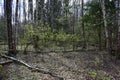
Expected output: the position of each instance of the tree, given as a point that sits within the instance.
(24, 10)
(105, 22)
(30, 10)
(39, 12)
(83, 28)
(11, 44)
(108, 33)
(51, 12)
(93, 19)
(117, 39)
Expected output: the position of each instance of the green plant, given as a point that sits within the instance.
(92, 73)
(48, 39)
(97, 61)
(0, 66)
(102, 76)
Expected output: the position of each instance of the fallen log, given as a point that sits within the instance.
(33, 68)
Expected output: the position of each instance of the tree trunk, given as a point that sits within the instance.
(52, 14)
(99, 35)
(30, 7)
(11, 44)
(5, 8)
(105, 23)
(16, 24)
(24, 11)
(118, 30)
(83, 27)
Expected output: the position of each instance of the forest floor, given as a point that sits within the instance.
(80, 65)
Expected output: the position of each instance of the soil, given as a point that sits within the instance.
(80, 65)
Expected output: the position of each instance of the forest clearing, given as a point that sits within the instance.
(59, 40)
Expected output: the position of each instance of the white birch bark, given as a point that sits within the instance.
(105, 22)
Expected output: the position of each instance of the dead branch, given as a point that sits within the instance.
(6, 62)
(33, 68)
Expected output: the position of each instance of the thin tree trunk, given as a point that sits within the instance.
(100, 32)
(105, 22)
(30, 7)
(16, 23)
(83, 27)
(117, 54)
(5, 8)
(99, 35)
(5, 37)
(52, 14)
(24, 11)
(107, 29)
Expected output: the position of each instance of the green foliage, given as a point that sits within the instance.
(28, 34)
(57, 38)
(92, 73)
(0, 66)
(64, 23)
(102, 76)
(93, 20)
(98, 75)
(49, 39)
(97, 61)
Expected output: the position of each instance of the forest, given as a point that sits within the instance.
(59, 39)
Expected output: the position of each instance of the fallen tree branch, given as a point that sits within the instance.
(33, 68)
(6, 62)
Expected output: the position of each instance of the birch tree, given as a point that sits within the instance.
(105, 22)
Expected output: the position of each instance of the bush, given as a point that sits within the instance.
(50, 39)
